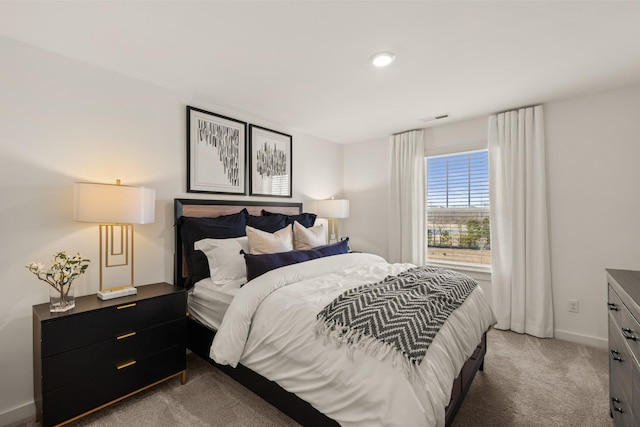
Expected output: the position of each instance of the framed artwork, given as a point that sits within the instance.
(270, 162)
(216, 153)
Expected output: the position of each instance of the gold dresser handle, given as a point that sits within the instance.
(124, 365)
(130, 334)
(120, 307)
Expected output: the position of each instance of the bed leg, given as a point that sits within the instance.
(481, 368)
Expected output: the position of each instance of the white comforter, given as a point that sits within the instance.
(270, 328)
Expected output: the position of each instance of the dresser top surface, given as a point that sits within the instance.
(92, 302)
(628, 280)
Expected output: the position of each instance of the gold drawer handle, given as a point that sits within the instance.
(124, 365)
(120, 307)
(130, 334)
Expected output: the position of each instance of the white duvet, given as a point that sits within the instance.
(270, 328)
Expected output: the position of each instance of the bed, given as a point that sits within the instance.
(255, 376)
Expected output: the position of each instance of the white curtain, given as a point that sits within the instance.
(520, 262)
(406, 204)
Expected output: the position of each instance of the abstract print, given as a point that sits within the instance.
(270, 161)
(227, 141)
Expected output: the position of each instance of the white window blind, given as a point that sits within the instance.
(458, 208)
(458, 181)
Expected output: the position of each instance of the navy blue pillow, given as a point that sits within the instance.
(270, 224)
(198, 269)
(306, 219)
(193, 229)
(257, 265)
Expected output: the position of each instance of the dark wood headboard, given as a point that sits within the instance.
(215, 208)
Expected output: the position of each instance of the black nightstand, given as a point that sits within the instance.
(101, 352)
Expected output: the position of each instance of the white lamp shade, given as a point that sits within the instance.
(113, 204)
(333, 208)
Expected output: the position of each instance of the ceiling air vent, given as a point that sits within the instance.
(432, 118)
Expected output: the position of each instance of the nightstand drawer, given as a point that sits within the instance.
(86, 328)
(67, 368)
(80, 397)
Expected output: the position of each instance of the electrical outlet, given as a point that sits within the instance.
(574, 306)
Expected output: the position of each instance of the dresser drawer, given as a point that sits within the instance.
(620, 409)
(103, 324)
(83, 396)
(67, 368)
(615, 306)
(629, 331)
(621, 365)
(620, 403)
(635, 407)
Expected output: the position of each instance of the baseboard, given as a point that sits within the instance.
(581, 339)
(18, 413)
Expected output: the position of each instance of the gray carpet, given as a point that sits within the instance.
(531, 382)
(527, 382)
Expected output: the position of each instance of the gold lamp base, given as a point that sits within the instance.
(116, 261)
(117, 293)
(333, 230)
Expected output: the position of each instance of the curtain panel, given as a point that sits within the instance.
(521, 267)
(407, 198)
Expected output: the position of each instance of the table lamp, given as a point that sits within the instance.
(333, 209)
(116, 208)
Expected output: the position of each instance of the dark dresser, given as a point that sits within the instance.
(101, 352)
(624, 346)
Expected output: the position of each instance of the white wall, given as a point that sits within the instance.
(593, 151)
(366, 186)
(456, 137)
(63, 121)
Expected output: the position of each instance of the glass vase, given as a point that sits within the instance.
(62, 299)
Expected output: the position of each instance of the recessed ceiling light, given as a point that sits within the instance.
(382, 59)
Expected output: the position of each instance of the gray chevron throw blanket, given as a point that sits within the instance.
(400, 314)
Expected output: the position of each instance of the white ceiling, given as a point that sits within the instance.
(305, 64)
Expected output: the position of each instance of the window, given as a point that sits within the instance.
(458, 208)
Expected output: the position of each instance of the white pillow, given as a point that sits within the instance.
(261, 242)
(308, 238)
(226, 263)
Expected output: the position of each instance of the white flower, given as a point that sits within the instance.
(63, 271)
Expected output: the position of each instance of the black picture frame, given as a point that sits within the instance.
(216, 153)
(271, 162)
